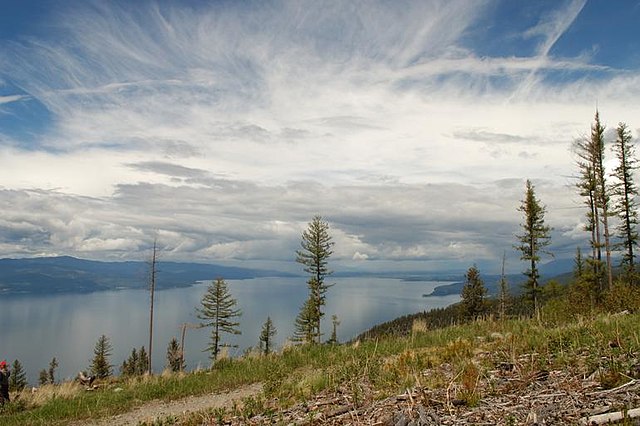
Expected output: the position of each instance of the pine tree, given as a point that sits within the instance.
(52, 370)
(266, 336)
(316, 249)
(43, 377)
(533, 240)
(125, 370)
(175, 362)
(473, 294)
(305, 324)
(18, 377)
(334, 330)
(578, 265)
(587, 162)
(129, 366)
(142, 366)
(552, 290)
(218, 311)
(100, 366)
(584, 286)
(626, 205)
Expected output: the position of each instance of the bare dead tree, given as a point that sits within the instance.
(152, 287)
(184, 327)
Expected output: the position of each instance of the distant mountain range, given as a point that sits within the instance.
(65, 274)
(54, 275)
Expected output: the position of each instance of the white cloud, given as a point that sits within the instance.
(224, 128)
(12, 98)
(360, 256)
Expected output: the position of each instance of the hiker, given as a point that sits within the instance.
(4, 382)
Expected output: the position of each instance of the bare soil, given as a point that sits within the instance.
(153, 410)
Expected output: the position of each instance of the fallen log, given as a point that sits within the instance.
(606, 418)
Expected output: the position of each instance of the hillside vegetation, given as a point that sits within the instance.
(504, 371)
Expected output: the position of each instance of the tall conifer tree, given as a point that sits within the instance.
(532, 242)
(175, 360)
(218, 311)
(267, 334)
(100, 366)
(314, 256)
(43, 377)
(130, 365)
(52, 370)
(473, 294)
(625, 192)
(18, 377)
(587, 187)
(142, 366)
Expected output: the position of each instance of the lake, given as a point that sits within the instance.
(37, 328)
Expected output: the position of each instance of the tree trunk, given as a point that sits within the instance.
(152, 287)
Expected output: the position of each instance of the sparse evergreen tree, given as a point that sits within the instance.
(52, 370)
(129, 366)
(142, 366)
(304, 327)
(473, 294)
(314, 256)
(218, 311)
(100, 366)
(626, 206)
(593, 185)
(125, 370)
(533, 240)
(267, 334)
(578, 264)
(587, 151)
(175, 362)
(18, 377)
(552, 290)
(43, 377)
(585, 283)
(334, 330)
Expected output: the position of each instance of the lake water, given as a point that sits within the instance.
(36, 328)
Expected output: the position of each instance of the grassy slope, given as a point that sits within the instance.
(387, 365)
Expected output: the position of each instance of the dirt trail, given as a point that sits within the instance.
(159, 409)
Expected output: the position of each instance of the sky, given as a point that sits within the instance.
(220, 128)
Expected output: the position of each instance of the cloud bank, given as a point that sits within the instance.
(223, 128)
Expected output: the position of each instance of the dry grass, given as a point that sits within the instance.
(34, 397)
(419, 326)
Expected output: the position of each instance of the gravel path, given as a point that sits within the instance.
(160, 409)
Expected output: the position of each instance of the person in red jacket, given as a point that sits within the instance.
(4, 382)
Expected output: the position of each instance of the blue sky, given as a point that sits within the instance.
(221, 128)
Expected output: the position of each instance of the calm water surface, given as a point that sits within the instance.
(35, 328)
